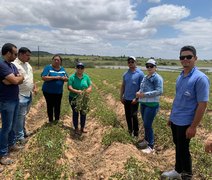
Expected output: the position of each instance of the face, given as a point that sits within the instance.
(131, 63)
(80, 69)
(12, 55)
(56, 61)
(25, 57)
(150, 68)
(187, 59)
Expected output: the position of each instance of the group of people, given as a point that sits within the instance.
(17, 87)
(189, 105)
(54, 76)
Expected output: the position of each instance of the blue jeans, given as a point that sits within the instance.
(76, 116)
(9, 116)
(24, 106)
(148, 114)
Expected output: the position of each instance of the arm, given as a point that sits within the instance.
(35, 88)
(12, 79)
(122, 92)
(191, 131)
(70, 88)
(89, 89)
(50, 78)
(208, 144)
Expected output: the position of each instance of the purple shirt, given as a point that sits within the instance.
(8, 92)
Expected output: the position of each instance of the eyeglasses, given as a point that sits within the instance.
(149, 66)
(131, 62)
(189, 57)
(80, 67)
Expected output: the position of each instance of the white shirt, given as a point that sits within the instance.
(25, 69)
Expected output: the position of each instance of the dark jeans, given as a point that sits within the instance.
(53, 102)
(148, 114)
(75, 115)
(9, 117)
(183, 162)
(131, 111)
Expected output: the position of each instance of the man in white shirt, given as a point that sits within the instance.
(25, 91)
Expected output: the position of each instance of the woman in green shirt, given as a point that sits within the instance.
(79, 84)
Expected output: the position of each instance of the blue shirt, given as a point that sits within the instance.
(132, 81)
(190, 90)
(53, 86)
(8, 92)
(152, 87)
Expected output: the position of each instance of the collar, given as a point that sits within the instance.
(190, 73)
(19, 61)
(154, 74)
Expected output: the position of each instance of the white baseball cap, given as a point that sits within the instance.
(151, 61)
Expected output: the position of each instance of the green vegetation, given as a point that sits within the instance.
(42, 161)
(91, 61)
(136, 170)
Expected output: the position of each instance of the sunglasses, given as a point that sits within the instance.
(131, 62)
(189, 57)
(149, 66)
(80, 67)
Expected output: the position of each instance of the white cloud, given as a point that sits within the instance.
(165, 14)
(154, 1)
(100, 27)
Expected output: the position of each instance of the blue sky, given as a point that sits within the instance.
(146, 28)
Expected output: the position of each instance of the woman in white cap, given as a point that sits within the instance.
(150, 90)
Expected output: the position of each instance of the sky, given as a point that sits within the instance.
(142, 28)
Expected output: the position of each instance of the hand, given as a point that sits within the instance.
(190, 132)
(35, 90)
(139, 95)
(79, 91)
(208, 145)
(122, 100)
(134, 101)
(169, 123)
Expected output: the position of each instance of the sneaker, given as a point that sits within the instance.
(186, 176)
(15, 148)
(77, 131)
(148, 150)
(143, 144)
(83, 130)
(171, 175)
(5, 160)
(1, 169)
(27, 134)
(22, 141)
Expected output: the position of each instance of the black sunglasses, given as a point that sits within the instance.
(131, 62)
(80, 67)
(189, 57)
(149, 66)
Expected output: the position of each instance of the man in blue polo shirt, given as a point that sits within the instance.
(130, 85)
(192, 95)
(9, 101)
